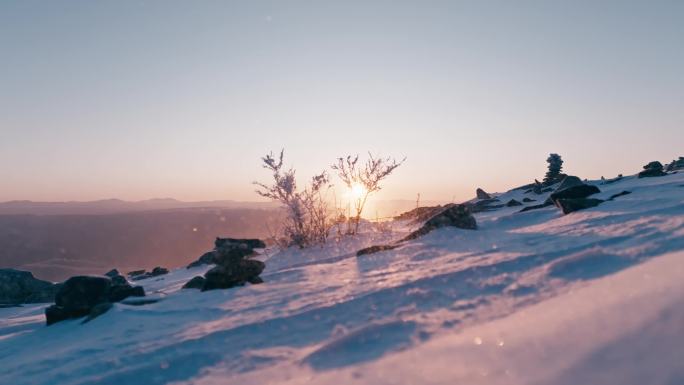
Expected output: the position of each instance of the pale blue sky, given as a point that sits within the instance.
(134, 100)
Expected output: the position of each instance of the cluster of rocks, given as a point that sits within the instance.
(18, 287)
(233, 267)
(652, 169)
(571, 195)
(137, 275)
(90, 296)
(677, 164)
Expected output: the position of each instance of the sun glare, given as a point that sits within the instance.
(357, 191)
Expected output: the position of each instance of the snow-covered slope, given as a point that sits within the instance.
(529, 298)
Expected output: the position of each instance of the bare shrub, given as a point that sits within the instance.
(364, 179)
(307, 215)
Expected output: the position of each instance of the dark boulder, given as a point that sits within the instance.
(195, 283)
(112, 273)
(528, 200)
(159, 271)
(513, 203)
(228, 256)
(569, 181)
(136, 273)
(652, 169)
(97, 311)
(481, 194)
(83, 295)
(574, 192)
(17, 287)
(457, 215)
(575, 204)
(225, 277)
(120, 292)
(119, 280)
(205, 259)
(54, 313)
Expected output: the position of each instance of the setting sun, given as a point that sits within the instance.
(357, 191)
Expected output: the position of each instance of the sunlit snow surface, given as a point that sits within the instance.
(594, 297)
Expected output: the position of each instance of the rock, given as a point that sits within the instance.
(97, 311)
(457, 215)
(17, 287)
(79, 294)
(528, 200)
(574, 192)
(228, 256)
(231, 242)
(228, 248)
(375, 249)
(83, 295)
(195, 283)
(120, 292)
(119, 280)
(537, 189)
(483, 205)
(536, 207)
(569, 181)
(205, 259)
(481, 194)
(619, 195)
(575, 204)
(225, 277)
(54, 314)
(545, 190)
(112, 273)
(136, 273)
(652, 169)
(255, 280)
(157, 271)
(513, 203)
(676, 164)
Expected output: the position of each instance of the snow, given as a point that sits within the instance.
(529, 298)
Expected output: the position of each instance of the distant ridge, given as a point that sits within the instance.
(112, 206)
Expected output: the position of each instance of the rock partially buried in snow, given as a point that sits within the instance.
(513, 203)
(17, 287)
(571, 205)
(225, 277)
(195, 283)
(457, 215)
(112, 273)
(79, 295)
(482, 194)
(157, 271)
(574, 192)
(569, 181)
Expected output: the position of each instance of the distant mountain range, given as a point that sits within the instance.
(113, 206)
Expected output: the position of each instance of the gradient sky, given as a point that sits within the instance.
(142, 99)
